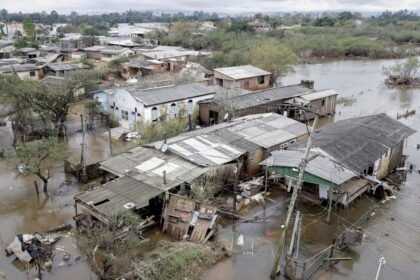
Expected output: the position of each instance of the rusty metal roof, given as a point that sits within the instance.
(119, 195)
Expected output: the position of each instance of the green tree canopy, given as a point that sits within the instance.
(273, 57)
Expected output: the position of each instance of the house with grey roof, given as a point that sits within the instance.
(110, 53)
(371, 145)
(249, 139)
(24, 71)
(246, 77)
(61, 69)
(144, 175)
(131, 105)
(287, 100)
(347, 158)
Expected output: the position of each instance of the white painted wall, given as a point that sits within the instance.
(125, 101)
(27, 76)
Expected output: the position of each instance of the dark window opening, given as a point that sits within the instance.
(323, 102)
(32, 73)
(154, 114)
(260, 80)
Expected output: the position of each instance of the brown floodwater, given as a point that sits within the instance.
(394, 230)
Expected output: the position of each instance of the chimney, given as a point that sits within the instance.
(307, 83)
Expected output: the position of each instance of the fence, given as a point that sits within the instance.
(303, 270)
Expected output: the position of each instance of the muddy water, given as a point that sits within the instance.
(393, 231)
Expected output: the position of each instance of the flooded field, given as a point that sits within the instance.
(394, 230)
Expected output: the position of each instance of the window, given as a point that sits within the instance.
(154, 114)
(323, 102)
(32, 73)
(124, 115)
(246, 85)
(173, 111)
(190, 107)
(260, 80)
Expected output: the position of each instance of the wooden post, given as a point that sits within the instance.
(109, 135)
(331, 253)
(235, 186)
(330, 197)
(36, 187)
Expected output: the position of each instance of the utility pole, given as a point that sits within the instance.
(381, 263)
(295, 228)
(296, 189)
(298, 237)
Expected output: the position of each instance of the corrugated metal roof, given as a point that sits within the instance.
(263, 97)
(94, 48)
(269, 131)
(226, 142)
(147, 165)
(206, 150)
(359, 142)
(319, 94)
(114, 51)
(166, 52)
(161, 95)
(67, 66)
(318, 165)
(111, 197)
(19, 68)
(242, 72)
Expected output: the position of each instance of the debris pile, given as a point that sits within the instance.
(37, 246)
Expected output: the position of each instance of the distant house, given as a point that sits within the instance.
(24, 71)
(136, 68)
(207, 25)
(29, 53)
(130, 105)
(7, 52)
(259, 25)
(50, 58)
(110, 53)
(173, 57)
(244, 77)
(61, 69)
(94, 52)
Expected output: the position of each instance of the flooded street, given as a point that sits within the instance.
(394, 230)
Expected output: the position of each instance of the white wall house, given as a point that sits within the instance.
(131, 106)
(108, 54)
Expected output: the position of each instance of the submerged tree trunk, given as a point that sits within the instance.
(45, 185)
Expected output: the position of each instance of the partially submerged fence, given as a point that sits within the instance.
(304, 269)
